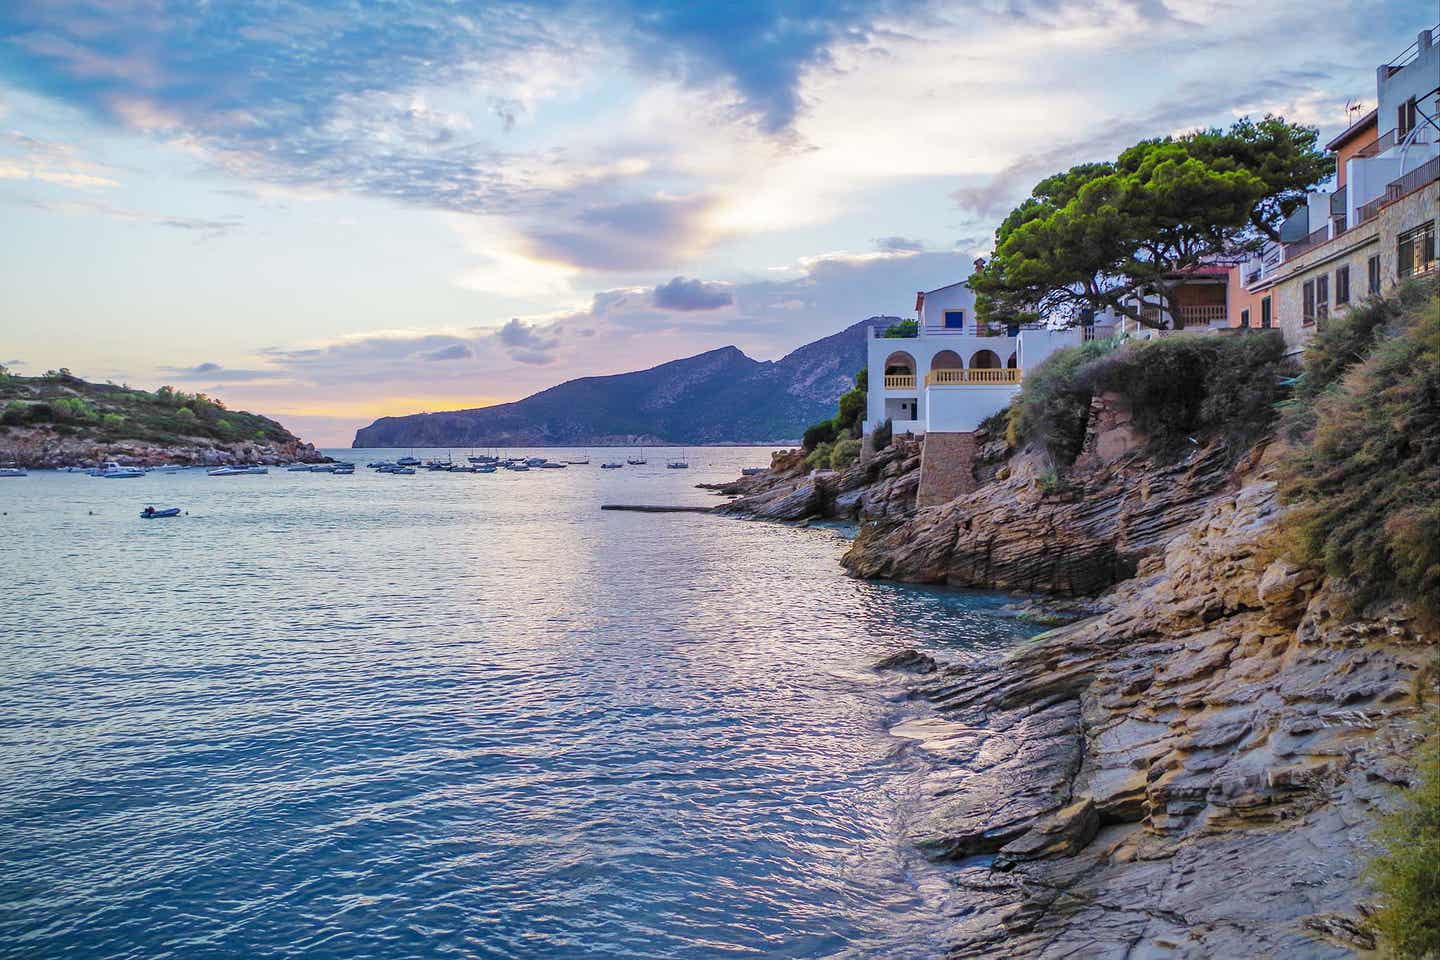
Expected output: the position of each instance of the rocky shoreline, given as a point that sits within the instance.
(1193, 769)
(35, 449)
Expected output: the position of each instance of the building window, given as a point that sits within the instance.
(1322, 297)
(1342, 286)
(1307, 310)
(954, 319)
(1404, 118)
(1245, 319)
(1415, 251)
(1372, 269)
(1265, 315)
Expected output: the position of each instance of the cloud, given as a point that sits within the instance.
(682, 294)
(456, 351)
(528, 342)
(898, 245)
(210, 371)
(201, 225)
(24, 157)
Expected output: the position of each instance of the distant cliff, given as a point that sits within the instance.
(721, 396)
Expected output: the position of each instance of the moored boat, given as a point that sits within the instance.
(12, 472)
(611, 465)
(236, 471)
(150, 513)
(113, 471)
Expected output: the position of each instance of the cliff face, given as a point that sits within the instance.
(1190, 774)
(1018, 534)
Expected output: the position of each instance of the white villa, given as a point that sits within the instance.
(955, 372)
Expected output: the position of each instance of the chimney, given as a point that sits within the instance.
(979, 264)
(1423, 40)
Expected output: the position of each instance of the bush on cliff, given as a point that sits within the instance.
(1177, 390)
(1406, 874)
(1054, 402)
(847, 422)
(1366, 485)
(844, 453)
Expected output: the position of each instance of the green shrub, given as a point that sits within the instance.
(1177, 389)
(817, 434)
(1054, 402)
(852, 410)
(844, 453)
(820, 456)
(1366, 486)
(882, 435)
(72, 408)
(185, 413)
(905, 328)
(16, 413)
(112, 419)
(1406, 874)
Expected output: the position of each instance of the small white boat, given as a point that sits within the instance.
(343, 469)
(236, 471)
(578, 463)
(611, 465)
(550, 465)
(166, 468)
(113, 471)
(484, 468)
(408, 462)
(298, 468)
(402, 472)
(12, 472)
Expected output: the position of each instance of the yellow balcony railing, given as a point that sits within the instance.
(899, 381)
(952, 378)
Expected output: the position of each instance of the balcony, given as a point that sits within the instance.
(899, 381)
(982, 376)
(1202, 315)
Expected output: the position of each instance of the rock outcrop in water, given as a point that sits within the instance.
(1190, 774)
(1018, 534)
(883, 486)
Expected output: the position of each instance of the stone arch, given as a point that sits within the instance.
(985, 360)
(947, 360)
(1012, 363)
(899, 363)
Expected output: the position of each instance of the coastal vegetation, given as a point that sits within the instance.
(1179, 392)
(835, 442)
(1362, 469)
(1101, 235)
(1405, 873)
(64, 405)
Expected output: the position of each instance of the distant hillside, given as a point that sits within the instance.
(59, 419)
(721, 396)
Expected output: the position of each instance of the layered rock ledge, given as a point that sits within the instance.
(1191, 773)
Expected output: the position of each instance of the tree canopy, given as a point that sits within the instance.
(1103, 234)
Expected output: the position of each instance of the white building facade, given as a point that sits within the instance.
(954, 373)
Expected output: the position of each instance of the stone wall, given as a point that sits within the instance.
(947, 468)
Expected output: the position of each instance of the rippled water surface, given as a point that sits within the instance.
(453, 715)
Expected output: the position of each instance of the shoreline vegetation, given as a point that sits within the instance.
(57, 419)
(1260, 539)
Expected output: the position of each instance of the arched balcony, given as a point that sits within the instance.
(899, 371)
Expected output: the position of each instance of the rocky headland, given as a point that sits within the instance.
(60, 420)
(1192, 770)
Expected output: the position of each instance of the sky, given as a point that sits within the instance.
(329, 212)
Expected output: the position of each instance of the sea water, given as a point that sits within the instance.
(454, 715)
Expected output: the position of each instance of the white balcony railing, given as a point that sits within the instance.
(956, 378)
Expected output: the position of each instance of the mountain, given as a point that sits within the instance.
(721, 396)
